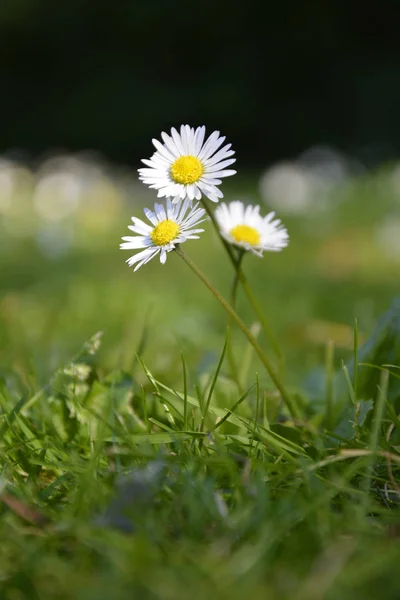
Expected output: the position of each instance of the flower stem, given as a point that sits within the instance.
(247, 289)
(229, 350)
(238, 264)
(291, 405)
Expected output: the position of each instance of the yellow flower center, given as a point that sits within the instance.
(164, 232)
(186, 169)
(246, 234)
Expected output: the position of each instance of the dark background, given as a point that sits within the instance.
(275, 77)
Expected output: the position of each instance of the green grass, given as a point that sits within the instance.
(131, 464)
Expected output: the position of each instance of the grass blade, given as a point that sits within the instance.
(214, 381)
(234, 407)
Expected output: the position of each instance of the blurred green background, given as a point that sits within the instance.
(64, 277)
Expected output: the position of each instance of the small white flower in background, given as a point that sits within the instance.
(315, 179)
(289, 187)
(7, 185)
(57, 195)
(387, 236)
(243, 226)
(170, 225)
(187, 167)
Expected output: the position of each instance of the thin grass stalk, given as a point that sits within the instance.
(213, 383)
(329, 372)
(374, 437)
(185, 403)
(355, 359)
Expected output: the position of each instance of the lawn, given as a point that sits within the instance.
(136, 462)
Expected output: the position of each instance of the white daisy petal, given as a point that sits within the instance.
(170, 209)
(170, 144)
(192, 231)
(199, 139)
(162, 150)
(190, 140)
(219, 174)
(181, 210)
(150, 173)
(190, 192)
(244, 227)
(160, 212)
(163, 256)
(148, 162)
(133, 243)
(211, 180)
(150, 215)
(155, 181)
(211, 191)
(220, 166)
(178, 142)
(211, 145)
(184, 139)
(139, 226)
(146, 259)
(170, 190)
(221, 155)
(140, 255)
(186, 166)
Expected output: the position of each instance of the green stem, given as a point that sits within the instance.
(247, 289)
(291, 405)
(238, 263)
(230, 355)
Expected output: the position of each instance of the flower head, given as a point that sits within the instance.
(170, 225)
(187, 167)
(244, 227)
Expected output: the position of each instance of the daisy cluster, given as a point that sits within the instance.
(186, 167)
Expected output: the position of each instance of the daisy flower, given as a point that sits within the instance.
(244, 227)
(170, 225)
(186, 166)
